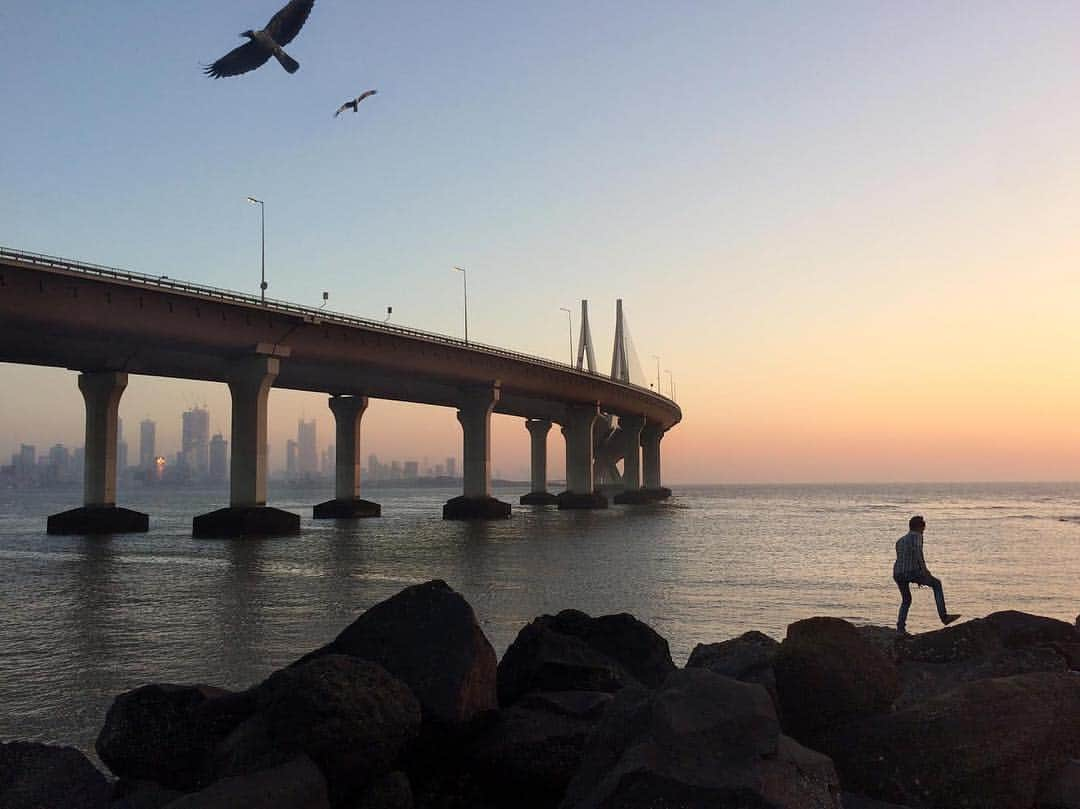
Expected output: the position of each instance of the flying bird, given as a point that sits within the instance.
(269, 41)
(355, 103)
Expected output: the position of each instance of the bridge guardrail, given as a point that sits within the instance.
(163, 281)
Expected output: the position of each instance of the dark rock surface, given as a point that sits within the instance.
(428, 637)
(391, 791)
(748, 657)
(700, 740)
(989, 744)
(982, 637)
(827, 672)
(44, 776)
(142, 795)
(853, 801)
(296, 784)
(349, 716)
(572, 651)
(164, 733)
(1062, 789)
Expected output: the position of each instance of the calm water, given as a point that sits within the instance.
(82, 619)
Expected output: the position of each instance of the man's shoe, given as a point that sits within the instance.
(948, 619)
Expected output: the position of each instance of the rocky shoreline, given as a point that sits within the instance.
(408, 708)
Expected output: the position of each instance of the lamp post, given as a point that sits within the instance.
(465, 287)
(570, 322)
(262, 224)
(657, 358)
(671, 383)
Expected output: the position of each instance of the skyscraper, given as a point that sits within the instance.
(307, 461)
(195, 441)
(450, 467)
(219, 458)
(290, 458)
(147, 435)
(121, 448)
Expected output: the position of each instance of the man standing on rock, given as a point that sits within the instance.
(910, 568)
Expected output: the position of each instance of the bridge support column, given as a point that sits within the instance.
(99, 514)
(248, 514)
(476, 502)
(538, 494)
(631, 428)
(347, 503)
(578, 431)
(650, 456)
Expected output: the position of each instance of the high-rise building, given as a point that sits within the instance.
(195, 441)
(410, 470)
(307, 461)
(26, 460)
(219, 458)
(451, 463)
(373, 466)
(147, 452)
(329, 462)
(291, 455)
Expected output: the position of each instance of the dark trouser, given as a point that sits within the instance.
(905, 595)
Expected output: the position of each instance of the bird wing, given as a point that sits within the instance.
(286, 24)
(365, 94)
(341, 109)
(239, 60)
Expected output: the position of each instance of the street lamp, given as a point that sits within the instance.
(657, 358)
(465, 287)
(671, 383)
(262, 222)
(570, 322)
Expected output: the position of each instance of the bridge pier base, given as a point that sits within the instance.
(578, 430)
(248, 514)
(633, 494)
(347, 503)
(650, 455)
(538, 494)
(476, 502)
(99, 514)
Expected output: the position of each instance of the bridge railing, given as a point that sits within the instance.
(311, 312)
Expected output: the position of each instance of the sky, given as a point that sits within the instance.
(849, 230)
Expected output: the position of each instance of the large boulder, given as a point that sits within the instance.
(164, 733)
(748, 657)
(572, 651)
(351, 717)
(701, 740)
(984, 745)
(428, 637)
(983, 637)
(45, 776)
(1062, 789)
(827, 672)
(296, 784)
(391, 791)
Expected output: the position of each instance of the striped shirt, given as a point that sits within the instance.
(909, 556)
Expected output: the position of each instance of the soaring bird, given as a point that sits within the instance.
(280, 31)
(355, 102)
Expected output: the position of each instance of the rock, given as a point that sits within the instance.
(984, 745)
(164, 733)
(572, 651)
(428, 637)
(45, 776)
(142, 795)
(1062, 790)
(701, 740)
(351, 717)
(297, 784)
(579, 704)
(748, 657)
(391, 791)
(852, 801)
(1070, 652)
(826, 673)
(982, 637)
(529, 756)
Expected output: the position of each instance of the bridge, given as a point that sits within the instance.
(107, 323)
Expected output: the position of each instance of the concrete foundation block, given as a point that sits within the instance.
(636, 497)
(539, 499)
(346, 509)
(245, 521)
(98, 520)
(574, 500)
(475, 508)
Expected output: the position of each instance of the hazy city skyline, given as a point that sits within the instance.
(848, 230)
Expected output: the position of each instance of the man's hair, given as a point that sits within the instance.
(916, 522)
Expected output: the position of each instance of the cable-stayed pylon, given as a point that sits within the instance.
(620, 368)
(585, 347)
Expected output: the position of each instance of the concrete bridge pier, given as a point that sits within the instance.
(538, 494)
(248, 514)
(476, 502)
(578, 431)
(347, 503)
(632, 427)
(99, 513)
(650, 456)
